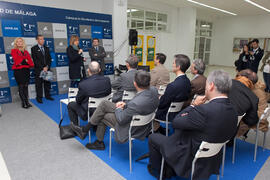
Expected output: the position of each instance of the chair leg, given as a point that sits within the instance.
(256, 145)
(223, 160)
(110, 145)
(89, 130)
(193, 168)
(130, 155)
(161, 169)
(264, 137)
(61, 110)
(233, 153)
(218, 177)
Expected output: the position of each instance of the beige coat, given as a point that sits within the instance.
(160, 76)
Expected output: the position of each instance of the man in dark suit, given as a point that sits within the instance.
(94, 86)
(42, 60)
(256, 55)
(125, 81)
(213, 122)
(176, 91)
(119, 115)
(97, 53)
(198, 81)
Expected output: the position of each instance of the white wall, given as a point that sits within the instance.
(226, 29)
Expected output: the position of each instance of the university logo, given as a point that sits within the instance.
(5, 95)
(73, 30)
(10, 61)
(109, 69)
(49, 43)
(61, 59)
(11, 28)
(2, 49)
(29, 29)
(32, 76)
(54, 88)
(86, 44)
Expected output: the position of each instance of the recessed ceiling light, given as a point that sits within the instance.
(132, 10)
(205, 5)
(257, 5)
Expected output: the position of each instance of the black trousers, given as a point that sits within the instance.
(40, 84)
(75, 111)
(22, 77)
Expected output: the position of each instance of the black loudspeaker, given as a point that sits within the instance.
(133, 37)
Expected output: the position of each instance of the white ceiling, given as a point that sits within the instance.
(240, 7)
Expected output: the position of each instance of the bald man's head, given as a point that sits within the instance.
(93, 68)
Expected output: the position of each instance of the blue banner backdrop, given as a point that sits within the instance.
(56, 25)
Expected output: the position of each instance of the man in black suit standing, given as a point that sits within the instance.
(42, 60)
(256, 55)
(97, 53)
(96, 86)
(213, 122)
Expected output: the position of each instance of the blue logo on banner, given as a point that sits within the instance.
(29, 28)
(2, 49)
(107, 33)
(85, 44)
(11, 28)
(54, 88)
(12, 81)
(72, 30)
(109, 69)
(97, 32)
(53, 64)
(32, 76)
(10, 61)
(61, 59)
(5, 95)
(49, 43)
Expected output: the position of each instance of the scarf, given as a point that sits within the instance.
(75, 47)
(244, 80)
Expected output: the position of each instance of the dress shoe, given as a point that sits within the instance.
(50, 98)
(24, 105)
(28, 104)
(97, 145)
(78, 130)
(39, 100)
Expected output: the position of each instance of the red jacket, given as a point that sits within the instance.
(18, 57)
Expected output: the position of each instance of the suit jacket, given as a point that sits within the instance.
(94, 86)
(244, 101)
(243, 62)
(76, 66)
(41, 60)
(159, 76)
(20, 58)
(214, 122)
(101, 54)
(255, 59)
(124, 82)
(176, 91)
(143, 103)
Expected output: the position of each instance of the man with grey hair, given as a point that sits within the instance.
(213, 122)
(95, 85)
(198, 81)
(125, 81)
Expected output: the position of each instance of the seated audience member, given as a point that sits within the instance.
(125, 81)
(119, 115)
(176, 91)
(244, 60)
(94, 86)
(244, 100)
(160, 76)
(198, 81)
(213, 122)
(258, 90)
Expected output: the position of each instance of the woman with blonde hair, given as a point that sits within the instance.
(76, 59)
(22, 63)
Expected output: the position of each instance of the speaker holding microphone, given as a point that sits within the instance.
(133, 37)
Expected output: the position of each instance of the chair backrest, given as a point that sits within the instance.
(240, 118)
(162, 89)
(175, 107)
(72, 92)
(128, 95)
(209, 149)
(265, 114)
(94, 102)
(141, 120)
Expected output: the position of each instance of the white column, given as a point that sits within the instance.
(120, 31)
(185, 36)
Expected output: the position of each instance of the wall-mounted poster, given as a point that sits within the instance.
(56, 25)
(151, 48)
(238, 44)
(138, 50)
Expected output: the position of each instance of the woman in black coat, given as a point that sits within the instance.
(76, 59)
(244, 60)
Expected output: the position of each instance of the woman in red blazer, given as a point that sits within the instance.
(22, 63)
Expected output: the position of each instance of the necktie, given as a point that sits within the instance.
(42, 50)
(96, 48)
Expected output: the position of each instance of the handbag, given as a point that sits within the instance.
(47, 76)
(65, 132)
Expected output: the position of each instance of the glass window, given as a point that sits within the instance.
(206, 58)
(136, 13)
(150, 16)
(162, 18)
(207, 44)
(197, 44)
(136, 24)
(162, 27)
(150, 25)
